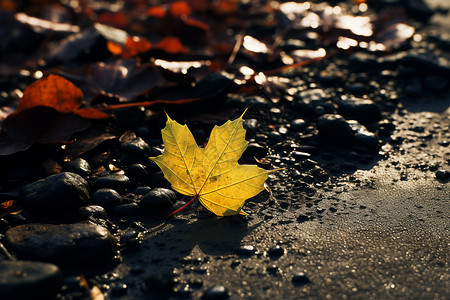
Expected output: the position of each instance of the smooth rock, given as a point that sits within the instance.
(363, 136)
(255, 150)
(217, 292)
(106, 198)
(158, 202)
(142, 190)
(300, 279)
(128, 209)
(68, 244)
(118, 182)
(137, 172)
(335, 128)
(78, 166)
(443, 174)
(136, 146)
(94, 211)
(274, 137)
(298, 125)
(362, 110)
(29, 280)
(246, 250)
(57, 193)
(276, 251)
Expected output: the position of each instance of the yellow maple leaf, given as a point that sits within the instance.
(211, 174)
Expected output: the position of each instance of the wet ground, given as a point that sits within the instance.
(376, 233)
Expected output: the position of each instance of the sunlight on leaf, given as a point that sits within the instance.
(212, 174)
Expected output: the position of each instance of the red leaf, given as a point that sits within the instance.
(117, 19)
(91, 113)
(171, 45)
(196, 23)
(124, 79)
(136, 45)
(53, 91)
(156, 12)
(179, 9)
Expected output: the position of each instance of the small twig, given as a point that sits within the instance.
(181, 208)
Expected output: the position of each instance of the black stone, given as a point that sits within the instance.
(158, 202)
(297, 155)
(106, 198)
(246, 250)
(142, 190)
(217, 292)
(255, 150)
(335, 128)
(137, 172)
(276, 251)
(94, 211)
(128, 209)
(136, 146)
(300, 279)
(364, 137)
(57, 193)
(274, 137)
(443, 174)
(78, 166)
(29, 280)
(298, 125)
(362, 110)
(118, 182)
(68, 244)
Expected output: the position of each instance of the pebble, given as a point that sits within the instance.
(137, 172)
(131, 239)
(128, 209)
(443, 174)
(94, 211)
(106, 198)
(276, 251)
(298, 125)
(247, 250)
(142, 190)
(57, 193)
(364, 137)
(255, 150)
(297, 155)
(29, 280)
(300, 279)
(274, 137)
(118, 182)
(362, 110)
(68, 244)
(251, 125)
(217, 292)
(158, 202)
(136, 146)
(333, 127)
(78, 166)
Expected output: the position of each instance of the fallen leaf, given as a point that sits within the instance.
(49, 111)
(211, 174)
(123, 79)
(171, 45)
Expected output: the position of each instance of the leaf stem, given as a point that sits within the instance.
(181, 208)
